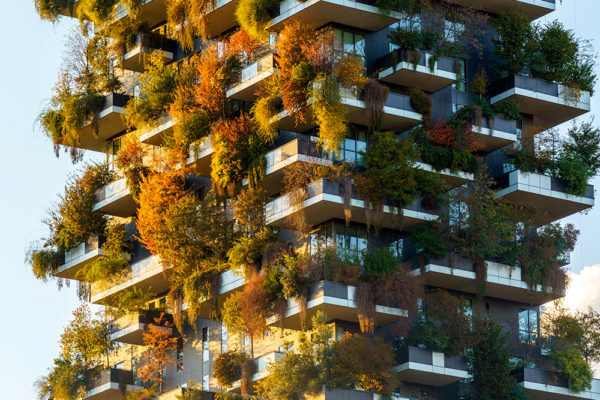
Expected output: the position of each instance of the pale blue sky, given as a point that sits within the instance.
(31, 178)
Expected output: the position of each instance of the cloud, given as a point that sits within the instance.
(584, 289)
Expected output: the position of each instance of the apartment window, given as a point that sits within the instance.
(350, 42)
(528, 326)
(224, 338)
(461, 73)
(206, 382)
(397, 246)
(340, 331)
(120, 365)
(205, 344)
(321, 239)
(134, 366)
(351, 241)
(454, 31)
(179, 354)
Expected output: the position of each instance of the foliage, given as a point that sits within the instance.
(79, 93)
(244, 313)
(354, 361)
(579, 330)
(375, 95)
(421, 102)
(509, 109)
(311, 70)
(516, 40)
(572, 364)
(428, 239)
(237, 150)
(161, 346)
(157, 85)
(254, 16)
(50, 10)
(227, 367)
(72, 220)
(438, 27)
(131, 162)
(83, 343)
(549, 52)
(541, 254)
(113, 260)
(489, 363)
(142, 394)
(381, 261)
(187, 19)
(190, 235)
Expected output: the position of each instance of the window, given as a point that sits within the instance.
(224, 338)
(351, 241)
(206, 382)
(179, 354)
(528, 326)
(454, 31)
(205, 345)
(321, 239)
(397, 246)
(134, 367)
(340, 331)
(350, 42)
(461, 73)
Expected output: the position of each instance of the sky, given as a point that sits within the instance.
(31, 178)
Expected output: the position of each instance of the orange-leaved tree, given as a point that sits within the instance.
(158, 337)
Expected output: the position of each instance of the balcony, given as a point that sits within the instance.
(550, 103)
(129, 329)
(110, 384)
(348, 394)
(221, 17)
(398, 114)
(502, 281)
(200, 157)
(152, 12)
(261, 364)
(250, 78)
(532, 8)
(428, 367)
(337, 301)
(147, 274)
(544, 193)
(361, 14)
(156, 136)
(115, 199)
(500, 133)
(146, 44)
(109, 123)
(178, 393)
(80, 256)
(230, 281)
(547, 385)
(398, 68)
(324, 201)
(453, 179)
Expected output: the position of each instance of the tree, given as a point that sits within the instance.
(83, 344)
(580, 330)
(160, 353)
(489, 362)
(516, 41)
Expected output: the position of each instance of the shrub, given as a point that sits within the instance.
(421, 102)
(254, 16)
(572, 364)
(509, 109)
(428, 239)
(227, 367)
(329, 113)
(516, 41)
(379, 262)
(157, 85)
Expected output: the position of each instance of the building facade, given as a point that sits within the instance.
(333, 211)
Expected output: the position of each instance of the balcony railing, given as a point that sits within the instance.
(541, 385)
(324, 200)
(80, 256)
(429, 367)
(545, 193)
(244, 84)
(115, 199)
(110, 383)
(337, 301)
(148, 43)
(502, 281)
(548, 102)
(416, 69)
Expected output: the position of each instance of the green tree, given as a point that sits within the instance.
(516, 40)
